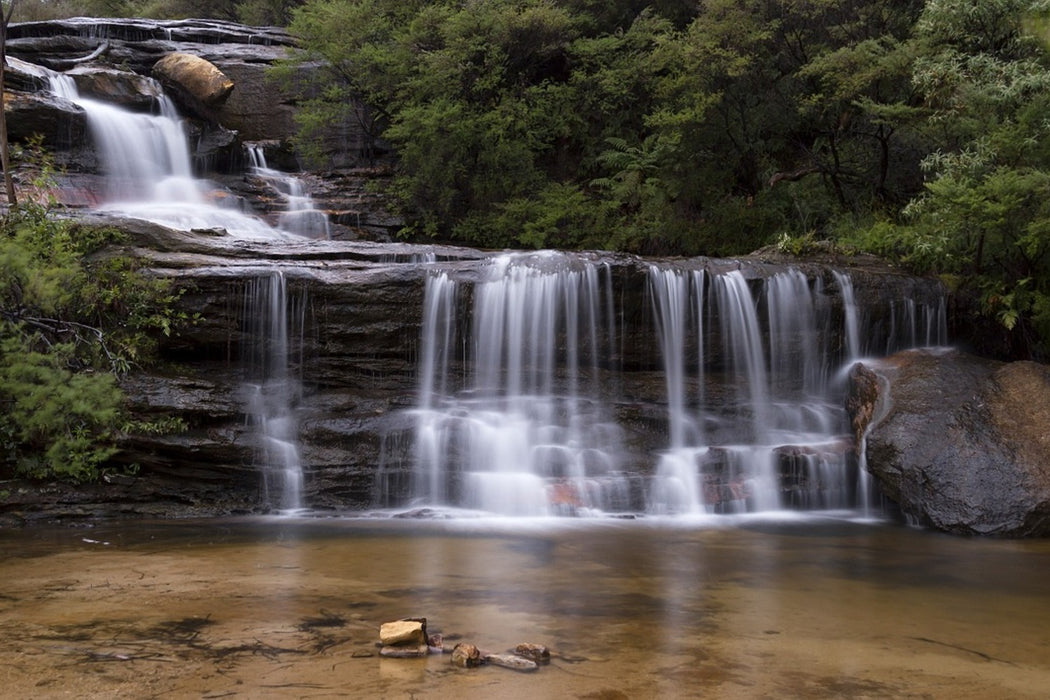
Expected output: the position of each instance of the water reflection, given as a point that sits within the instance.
(647, 608)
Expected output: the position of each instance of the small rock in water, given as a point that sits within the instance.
(406, 632)
(535, 652)
(436, 643)
(466, 655)
(511, 661)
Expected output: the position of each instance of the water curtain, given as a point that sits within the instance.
(533, 423)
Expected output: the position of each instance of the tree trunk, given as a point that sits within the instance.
(5, 152)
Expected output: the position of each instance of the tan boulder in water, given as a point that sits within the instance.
(407, 632)
(195, 77)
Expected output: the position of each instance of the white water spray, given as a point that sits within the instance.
(524, 437)
(272, 390)
(299, 216)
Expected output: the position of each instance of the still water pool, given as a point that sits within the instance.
(813, 607)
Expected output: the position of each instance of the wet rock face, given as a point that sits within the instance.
(120, 87)
(258, 109)
(59, 122)
(962, 444)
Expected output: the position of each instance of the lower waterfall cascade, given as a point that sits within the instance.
(753, 373)
(274, 318)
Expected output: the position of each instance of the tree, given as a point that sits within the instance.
(744, 119)
(5, 151)
(469, 95)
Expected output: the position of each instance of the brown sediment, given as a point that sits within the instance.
(631, 613)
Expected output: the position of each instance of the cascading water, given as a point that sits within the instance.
(676, 487)
(150, 176)
(537, 426)
(752, 375)
(528, 434)
(148, 166)
(772, 406)
(300, 216)
(273, 325)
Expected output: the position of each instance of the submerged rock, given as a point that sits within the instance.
(962, 444)
(405, 651)
(535, 652)
(511, 661)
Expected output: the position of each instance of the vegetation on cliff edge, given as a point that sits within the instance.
(74, 317)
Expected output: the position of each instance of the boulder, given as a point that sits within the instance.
(409, 632)
(961, 443)
(195, 83)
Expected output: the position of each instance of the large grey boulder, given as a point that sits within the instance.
(961, 443)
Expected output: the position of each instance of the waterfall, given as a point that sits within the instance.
(751, 373)
(300, 216)
(272, 323)
(523, 406)
(677, 489)
(149, 175)
(148, 166)
(527, 433)
(849, 308)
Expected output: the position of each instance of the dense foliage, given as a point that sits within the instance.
(254, 12)
(668, 127)
(72, 320)
(983, 74)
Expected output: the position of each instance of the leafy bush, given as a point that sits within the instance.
(73, 317)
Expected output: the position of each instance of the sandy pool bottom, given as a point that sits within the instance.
(292, 610)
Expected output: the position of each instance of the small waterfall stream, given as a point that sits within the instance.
(300, 216)
(148, 167)
(275, 326)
